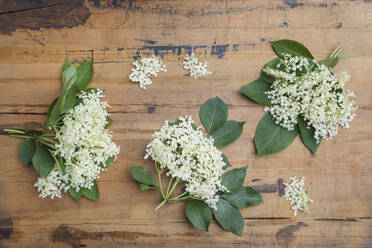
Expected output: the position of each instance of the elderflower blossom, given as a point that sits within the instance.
(195, 67)
(85, 145)
(317, 95)
(186, 154)
(298, 197)
(145, 69)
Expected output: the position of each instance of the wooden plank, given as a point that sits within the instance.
(36, 37)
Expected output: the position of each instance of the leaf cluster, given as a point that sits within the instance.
(38, 146)
(213, 115)
(270, 137)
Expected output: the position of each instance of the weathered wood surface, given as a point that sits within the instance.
(35, 38)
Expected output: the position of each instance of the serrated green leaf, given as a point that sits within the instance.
(92, 193)
(74, 194)
(233, 180)
(69, 77)
(244, 197)
(199, 214)
(229, 217)
(42, 160)
(84, 74)
(256, 91)
(213, 114)
(66, 65)
(227, 133)
(291, 47)
(226, 160)
(69, 102)
(271, 138)
(271, 64)
(307, 135)
(26, 151)
(142, 175)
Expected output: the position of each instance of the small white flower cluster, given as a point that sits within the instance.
(298, 197)
(145, 69)
(318, 96)
(85, 145)
(195, 67)
(186, 154)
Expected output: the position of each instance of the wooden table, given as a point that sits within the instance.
(36, 37)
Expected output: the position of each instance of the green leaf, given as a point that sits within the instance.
(329, 62)
(69, 102)
(92, 193)
(51, 106)
(271, 64)
(199, 214)
(91, 90)
(229, 217)
(109, 162)
(307, 135)
(84, 74)
(256, 91)
(233, 180)
(213, 114)
(76, 195)
(65, 65)
(142, 175)
(26, 151)
(271, 138)
(226, 160)
(227, 133)
(61, 164)
(43, 161)
(108, 122)
(145, 187)
(69, 77)
(291, 47)
(244, 197)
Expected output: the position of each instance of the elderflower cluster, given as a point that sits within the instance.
(298, 197)
(195, 67)
(84, 143)
(145, 69)
(317, 95)
(186, 154)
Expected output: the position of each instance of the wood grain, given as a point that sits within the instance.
(36, 37)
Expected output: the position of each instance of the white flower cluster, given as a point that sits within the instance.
(298, 197)
(317, 95)
(195, 67)
(188, 155)
(85, 145)
(145, 69)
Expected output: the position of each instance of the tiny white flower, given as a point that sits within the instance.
(194, 66)
(318, 96)
(298, 197)
(84, 143)
(145, 69)
(185, 153)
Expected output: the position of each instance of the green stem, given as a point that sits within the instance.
(51, 146)
(47, 140)
(308, 189)
(161, 204)
(19, 136)
(11, 131)
(172, 188)
(179, 199)
(184, 193)
(161, 186)
(169, 184)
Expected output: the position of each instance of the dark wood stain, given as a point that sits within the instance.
(281, 186)
(151, 109)
(266, 188)
(6, 228)
(34, 15)
(73, 236)
(286, 234)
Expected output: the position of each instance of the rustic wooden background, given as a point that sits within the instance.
(36, 37)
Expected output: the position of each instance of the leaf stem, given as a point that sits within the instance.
(172, 188)
(308, 189)
(161, 204)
